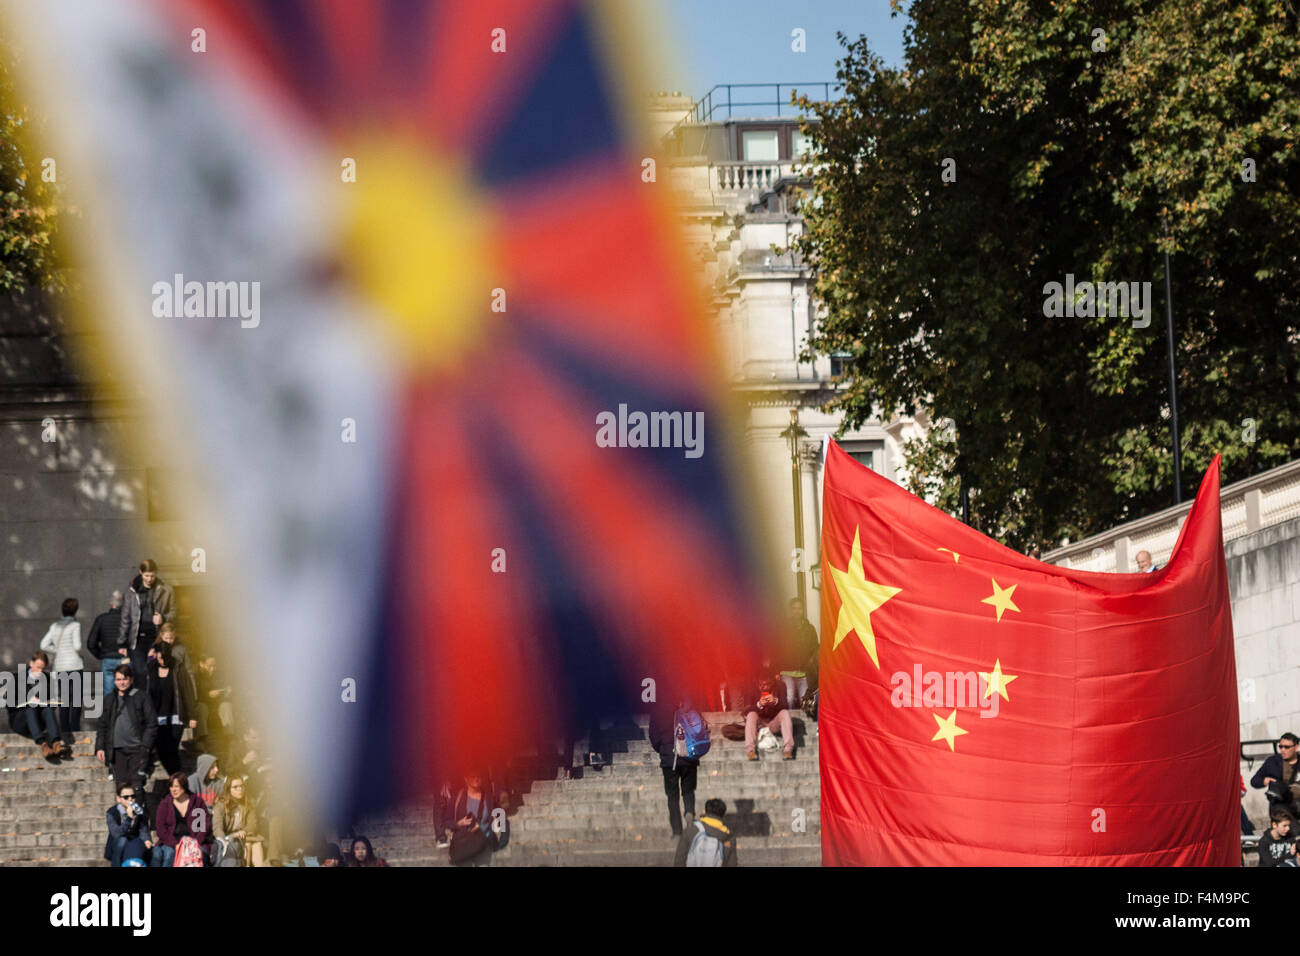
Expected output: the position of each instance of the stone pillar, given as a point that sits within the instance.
(1254, 510)
(1122, 560)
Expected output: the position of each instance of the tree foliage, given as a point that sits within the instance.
(29, 204)
(1069, 159)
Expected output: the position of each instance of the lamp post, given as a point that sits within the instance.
(793, 434)
(1173, 376)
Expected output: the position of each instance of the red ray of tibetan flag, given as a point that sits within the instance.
(429, 553)
(983, 708)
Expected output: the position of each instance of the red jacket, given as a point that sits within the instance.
(198, 818)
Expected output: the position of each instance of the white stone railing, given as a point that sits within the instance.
(1268, 498)
(734, 177)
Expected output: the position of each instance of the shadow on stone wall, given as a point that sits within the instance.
(73, 511)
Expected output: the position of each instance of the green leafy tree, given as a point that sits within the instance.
(1088, 138)
(28, 203)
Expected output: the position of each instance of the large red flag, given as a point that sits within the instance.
(981, 707)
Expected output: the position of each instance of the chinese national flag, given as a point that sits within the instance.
(983, 708)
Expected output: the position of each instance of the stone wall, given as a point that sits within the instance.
(73, 515)
(1264, 579)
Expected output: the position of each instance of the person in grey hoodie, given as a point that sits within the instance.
(206, 782)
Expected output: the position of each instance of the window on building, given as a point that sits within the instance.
(869, 453)
(760, 145)
(840, 363)
(799, 143)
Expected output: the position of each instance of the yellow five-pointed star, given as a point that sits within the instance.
(997, 681)
(1001, 598)
(948, 729)
(858, 598)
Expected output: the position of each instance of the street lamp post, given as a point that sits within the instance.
(1173, 377)
(793, 434)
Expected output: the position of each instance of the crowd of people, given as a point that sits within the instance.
(166, 702)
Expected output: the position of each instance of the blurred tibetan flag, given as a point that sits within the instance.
(979, 707)
(390, 277)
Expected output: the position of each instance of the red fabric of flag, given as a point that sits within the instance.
(979, 707)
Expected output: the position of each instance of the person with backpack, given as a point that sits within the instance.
(708, 842)
(681, 737)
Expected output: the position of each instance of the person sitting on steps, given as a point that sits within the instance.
(769, 710)
(38, 709)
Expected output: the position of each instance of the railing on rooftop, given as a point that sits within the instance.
(731, 97)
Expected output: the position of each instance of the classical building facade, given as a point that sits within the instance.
(735, 159)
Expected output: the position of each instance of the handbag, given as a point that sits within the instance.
(229, 852)
(188, 852)
(733, 731)
(466, 844)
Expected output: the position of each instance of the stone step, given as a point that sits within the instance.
(76, 839)
(602, 829)
(80, 855)
(13, 743)
(724, 788)
(84, 811)
(56, 794)
(79, 768)
(804, 854)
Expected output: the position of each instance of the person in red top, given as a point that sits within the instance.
(181, 814)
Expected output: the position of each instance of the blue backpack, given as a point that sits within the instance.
(690, 733)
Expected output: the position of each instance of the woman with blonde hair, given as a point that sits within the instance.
(237, 824)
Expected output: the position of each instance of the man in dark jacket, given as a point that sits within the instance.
(127, 732)
(709, 827)
(1278, 774)
(149, 604)
(105, 641)
(679, 772)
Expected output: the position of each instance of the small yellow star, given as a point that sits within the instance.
(1001, 598)
(948, 729)
(997, 681)
(956, 558)
(858, 598)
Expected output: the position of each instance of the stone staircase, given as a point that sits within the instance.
(618, 816)
(53, 815)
